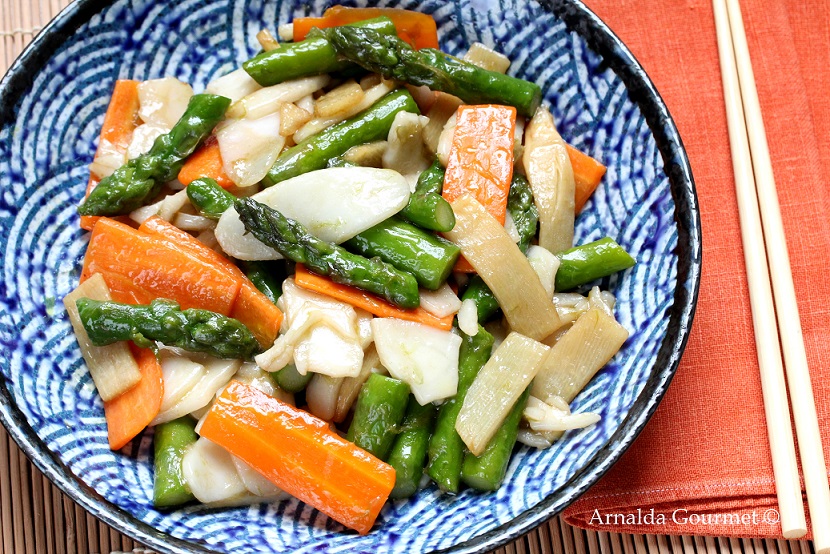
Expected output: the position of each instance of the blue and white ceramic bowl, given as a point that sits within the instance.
(52, 104)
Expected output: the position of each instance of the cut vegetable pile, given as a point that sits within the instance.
(343, 272)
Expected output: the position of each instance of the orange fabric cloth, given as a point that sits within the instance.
(705, 452)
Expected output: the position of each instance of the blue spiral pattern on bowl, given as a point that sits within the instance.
(44, 157)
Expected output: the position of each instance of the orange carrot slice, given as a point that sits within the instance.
(152, 265)
(128, 414)
(251, 307)
(300, 454)
(587, 174)
(481, 160)
(206, 161)
(418, 29)
(120, 121)
(375, 305)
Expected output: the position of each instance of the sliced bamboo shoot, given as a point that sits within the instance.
(487, 58)
(113, 368)
(516, 286)
(551, 178)
(496, 389)
(578, 355)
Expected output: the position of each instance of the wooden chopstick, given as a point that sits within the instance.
(777, 411)
(789, 324)
(736, 68)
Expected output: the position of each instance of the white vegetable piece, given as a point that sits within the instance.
(424, 357)
(236, 85)
(179, 375)
(551, 179)
(254, 481)
(468, 317)
(217, 374)
(364, 327)
(545, 264)
(112, 367)
(439, 113)
(321, 395)
(108, 158)
(406, 152)
(441, 302)
(555, 415)
(350, 386)
(510, 227)
(333, 204)
(487, 58)
(268, 100)
(496, 389)
(162, 102)
(322, 335)
(286, 32)
(143, 138)
(249, 148)
(210, 472)
(445, 140)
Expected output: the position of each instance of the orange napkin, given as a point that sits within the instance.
(703, 461)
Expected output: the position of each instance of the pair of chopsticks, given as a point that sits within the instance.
(772, 293)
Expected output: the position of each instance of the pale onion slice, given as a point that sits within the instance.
(255, 482)
(162, 102)
(468, 317)
(107, 160)
(424, 357)
(322, 335)
(286, 32)
(321, 395)
(570, 305)
(209, 471)
(370, 96)
(251, 374)
(555, 415)
(487, 246)
(545, 265)
(510, 227)
(334, 205)
(406, 152)
(236, 85)
(350, 386)
(249, 148)
(217, 374)
(364, 327)
(487, 58)
(180, 375)
(441, 302)
(602, 300)
(551, 179)
(113, 369)
(496, 388)
(306, 103)
(193, 222)
(267, 100)
(445, 106)
(143, 138)
(445, 140)
(171, 205)
(533, 439)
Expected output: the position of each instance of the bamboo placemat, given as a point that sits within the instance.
(37, 518)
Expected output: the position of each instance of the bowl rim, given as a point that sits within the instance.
(601, 39)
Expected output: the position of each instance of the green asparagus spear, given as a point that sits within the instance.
(446, 449)
(140, 179)
(267, 276)
(395, 59)
(290, 380)
(427, 208)
(428, 257)
(208, 197)
(523, 210)
(294, 242)
(312, 56)
(314, 152)
(582, 264)
(170, 442)
(486, 303)
(380, 408)
(486, 472)
(409, 450)
(164, 321)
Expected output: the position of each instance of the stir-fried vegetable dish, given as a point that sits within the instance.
(345, 271)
